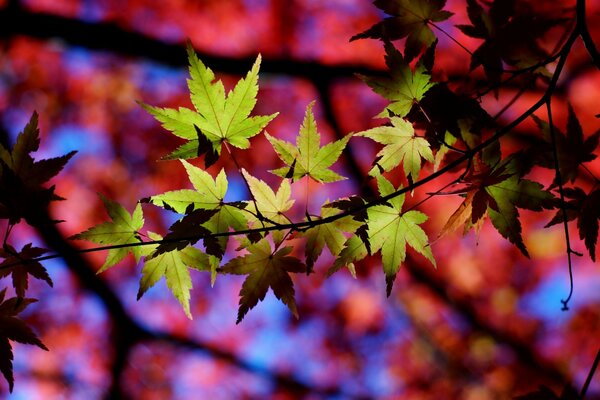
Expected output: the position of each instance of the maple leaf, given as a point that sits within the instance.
(390, 230)
(497, 192)
(13, 328)
(402, 86)
(410, 19)
(209, 194)
(124, 229)
(573, 150)
(458, 113)
(586, 209)
(330, 234)
(173, 265)
(354, 250)
(21, 177)
(308, 158)
(401, 145)
(266, 269)
(269, 207)
(20, 272)
(509, 37)
(218, 118)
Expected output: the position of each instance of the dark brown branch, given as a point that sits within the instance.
(110, 37)
(585, 33)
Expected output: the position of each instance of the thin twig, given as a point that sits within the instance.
(563, 207)
(588, 380)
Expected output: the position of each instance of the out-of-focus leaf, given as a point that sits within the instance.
(21, 177)
(20, 272)
(13, 328)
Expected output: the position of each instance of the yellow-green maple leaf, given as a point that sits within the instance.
(308, 158)
(401, 145)
(390, 230)
(122, 230)
(271, 206)
(219, 118)
(330, 234)
(173, 265)
(266, 269)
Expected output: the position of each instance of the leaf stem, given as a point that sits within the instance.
(563, 208)
(462, 46)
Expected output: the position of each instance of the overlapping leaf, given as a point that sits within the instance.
(13, 328)
(402, 86)
(498, 192)
(21, 177)
(173, 265)
(266, 269)
(218, 118)
(573, 150)
(410, 19)
(330, 234)
(509, 37)
(124, 229)
(18, 264)
(401, 145)
(585, 207)
(269, 207)
(390, 230)
(308, 158)
(208, 194)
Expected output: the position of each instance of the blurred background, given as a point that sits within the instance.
(487, 324)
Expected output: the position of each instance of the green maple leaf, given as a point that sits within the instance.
(13, 328)
(354, 250)
(218, 118)
(173, 265)
(209, 194)
(265, 269)
(401, 145)
(307, 158)
(410, 19)
(20, 272)
(330, 234)
(269, 207)
(390, 230)
(402, 86)
(21, 177)
(124, 229)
